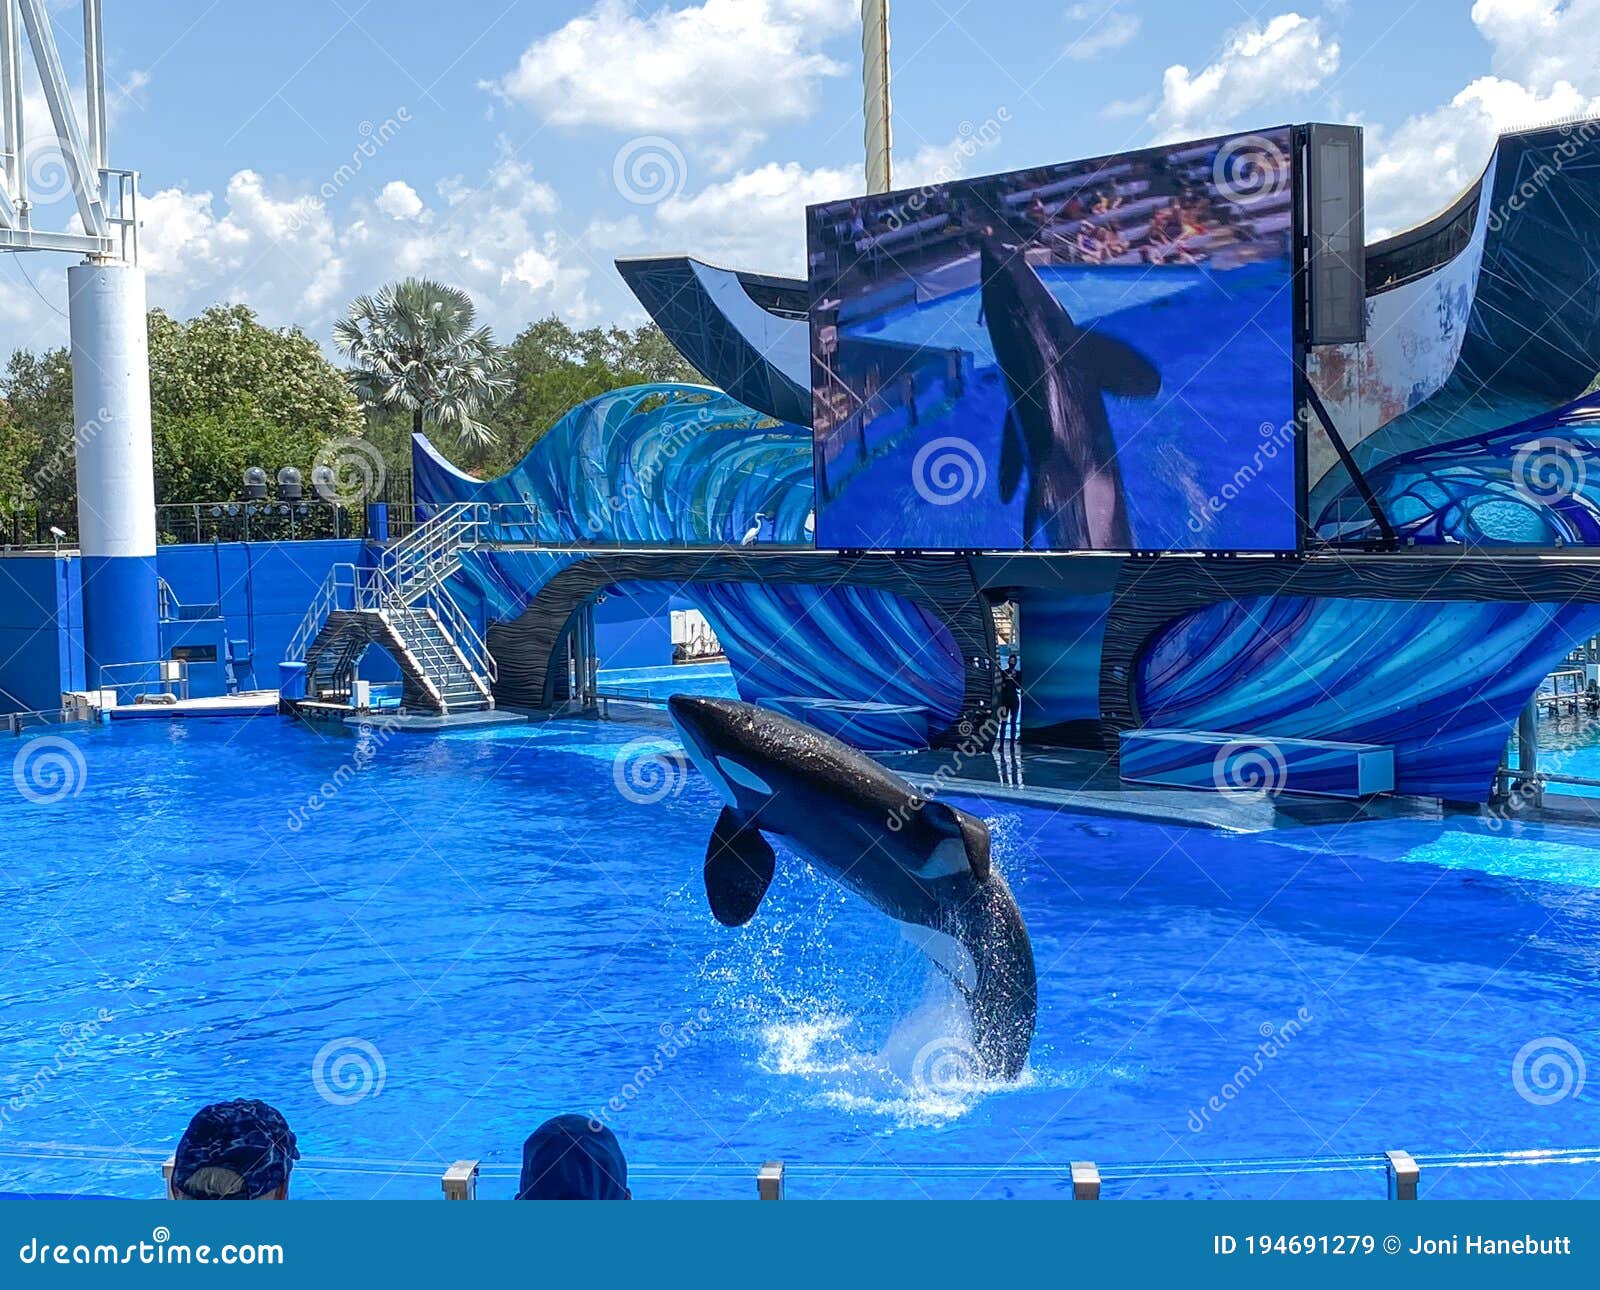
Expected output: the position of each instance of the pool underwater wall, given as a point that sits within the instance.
(41, 631)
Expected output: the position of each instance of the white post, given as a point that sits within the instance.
(116, 480)
(875, 90)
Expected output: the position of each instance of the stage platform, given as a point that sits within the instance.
(1084, 781)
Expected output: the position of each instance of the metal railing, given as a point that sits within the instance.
(263, 521)
(1398, 1175)
(20, 722)
(348, 587)
(164, 677)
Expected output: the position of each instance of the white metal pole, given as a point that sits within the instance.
(875, 89)
(94, 83)
(11, 97)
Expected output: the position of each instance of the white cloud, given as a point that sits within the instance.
(1416, 170)
(284, 253)
(756, 219)
(720, 68)
(399, 200)
(1107, 28)
(1541, 42)
(1257, 65)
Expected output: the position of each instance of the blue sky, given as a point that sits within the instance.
(497, 136)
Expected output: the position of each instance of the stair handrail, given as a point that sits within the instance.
(458, 629)
(322, 604)
(412, 570)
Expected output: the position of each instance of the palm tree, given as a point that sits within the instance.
(415, 347)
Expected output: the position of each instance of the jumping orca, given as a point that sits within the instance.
(923, 863)
(1057, 375)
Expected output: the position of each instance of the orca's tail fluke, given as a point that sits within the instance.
(1004, 1001)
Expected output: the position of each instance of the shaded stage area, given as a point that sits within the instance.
(1086, 782)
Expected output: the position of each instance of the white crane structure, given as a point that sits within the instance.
(106, 313)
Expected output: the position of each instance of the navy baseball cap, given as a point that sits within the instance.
(240, 1150)
(572, 1157)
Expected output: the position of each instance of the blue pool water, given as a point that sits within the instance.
(513, 936)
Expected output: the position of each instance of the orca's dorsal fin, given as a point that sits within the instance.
(739, 868)
(1116, 366)
(969, 830)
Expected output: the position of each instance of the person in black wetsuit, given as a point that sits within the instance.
(1010, 701)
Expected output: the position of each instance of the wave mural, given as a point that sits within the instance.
(859, 663)
(1536, 483)
(683, 465)
(1440, 682)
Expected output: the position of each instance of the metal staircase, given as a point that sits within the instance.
(404, 606)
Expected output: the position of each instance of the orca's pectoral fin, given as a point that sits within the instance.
(969, 830)
(739, 868)
(1116, 365)
(1011, 455)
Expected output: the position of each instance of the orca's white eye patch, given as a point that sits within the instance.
(743, 775)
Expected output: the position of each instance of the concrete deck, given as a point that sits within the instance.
(249, 703)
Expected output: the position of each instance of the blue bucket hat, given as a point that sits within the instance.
(572, 1157)
(240, 1150)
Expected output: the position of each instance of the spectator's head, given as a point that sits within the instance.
(573, 1158)
(241, 1150)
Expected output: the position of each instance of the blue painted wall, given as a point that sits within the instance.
(1440, 682)
(262, 590)
(41, 631)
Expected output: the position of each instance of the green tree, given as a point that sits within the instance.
(416, 349)
(225, 360)
(226, 392)
(554, 368)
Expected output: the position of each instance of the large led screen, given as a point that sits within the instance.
(1090, 356)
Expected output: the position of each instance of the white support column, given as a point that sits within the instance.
(16, 174)
(116, 479)
(875, 94)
